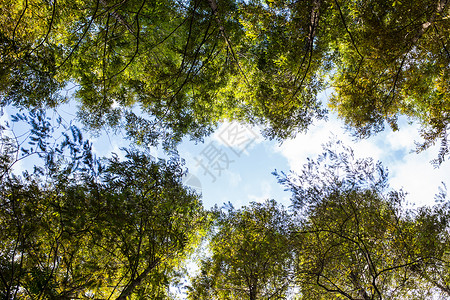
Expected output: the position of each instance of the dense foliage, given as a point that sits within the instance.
(251, 257)
(354, 238)
(76, 226)
(187, 65)
(79, 227)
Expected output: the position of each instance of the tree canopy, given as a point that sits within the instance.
(346, 236)
(187, 65)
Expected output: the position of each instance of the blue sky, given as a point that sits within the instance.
(244, 160)
(248, 177)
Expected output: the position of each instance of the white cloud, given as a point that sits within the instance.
(413, 171)
(105, 144)
(310, 144)
(418, 178)
(404, 138)
(265, 193)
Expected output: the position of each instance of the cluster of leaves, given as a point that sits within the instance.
(347, 236)
(83, 227)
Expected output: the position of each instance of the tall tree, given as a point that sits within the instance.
(80, 227)
(354, 240)
(250, 255)
(115, 54)
(188, 65)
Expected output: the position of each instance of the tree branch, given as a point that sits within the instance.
(20, 18)
(213, 5)
(315, 14)
(135, 282)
